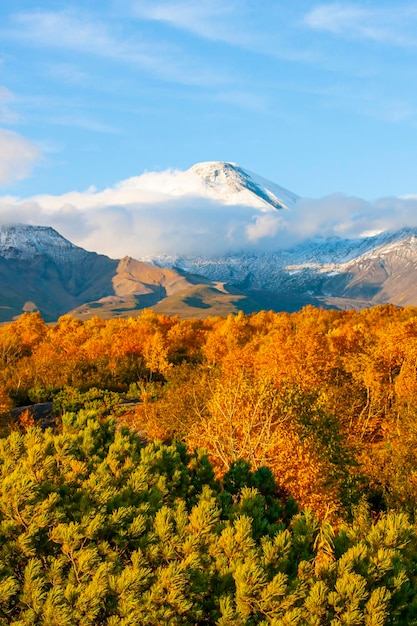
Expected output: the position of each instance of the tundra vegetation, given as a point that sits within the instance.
(257, 469)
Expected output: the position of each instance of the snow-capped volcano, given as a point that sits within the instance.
(233, 185)
(229, 237)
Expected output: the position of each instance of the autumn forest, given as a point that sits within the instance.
(254, 469)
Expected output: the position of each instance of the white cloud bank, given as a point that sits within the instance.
(17, 156)
(173, 212)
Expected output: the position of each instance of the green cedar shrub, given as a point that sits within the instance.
(96, 528)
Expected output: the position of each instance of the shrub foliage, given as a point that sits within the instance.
(96, 528)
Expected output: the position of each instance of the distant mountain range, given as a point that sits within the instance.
(41, 270)
(332, 273)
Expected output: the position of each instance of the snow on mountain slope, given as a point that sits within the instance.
(302, 266)
(234, 185)
(224, 182)
(22, 241)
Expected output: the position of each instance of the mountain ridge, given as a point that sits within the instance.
(332, 273)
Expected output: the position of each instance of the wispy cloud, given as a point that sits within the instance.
(238, 23)
(337, 18)
(250, 100)
(7, 114)
(74, 120)
(367, 100)
(67, 73)
(17, 156)
(71, 30)
(83, 33)
(211, 19)
(390, 26)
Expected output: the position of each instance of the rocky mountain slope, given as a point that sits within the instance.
(137, 285)
(41, 270)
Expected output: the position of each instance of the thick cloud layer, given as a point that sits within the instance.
(167, 213)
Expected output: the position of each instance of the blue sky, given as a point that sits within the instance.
(319, 97)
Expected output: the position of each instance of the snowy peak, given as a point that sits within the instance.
(234, 185)
(23, 241)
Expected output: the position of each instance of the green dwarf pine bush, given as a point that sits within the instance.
(96, 528)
